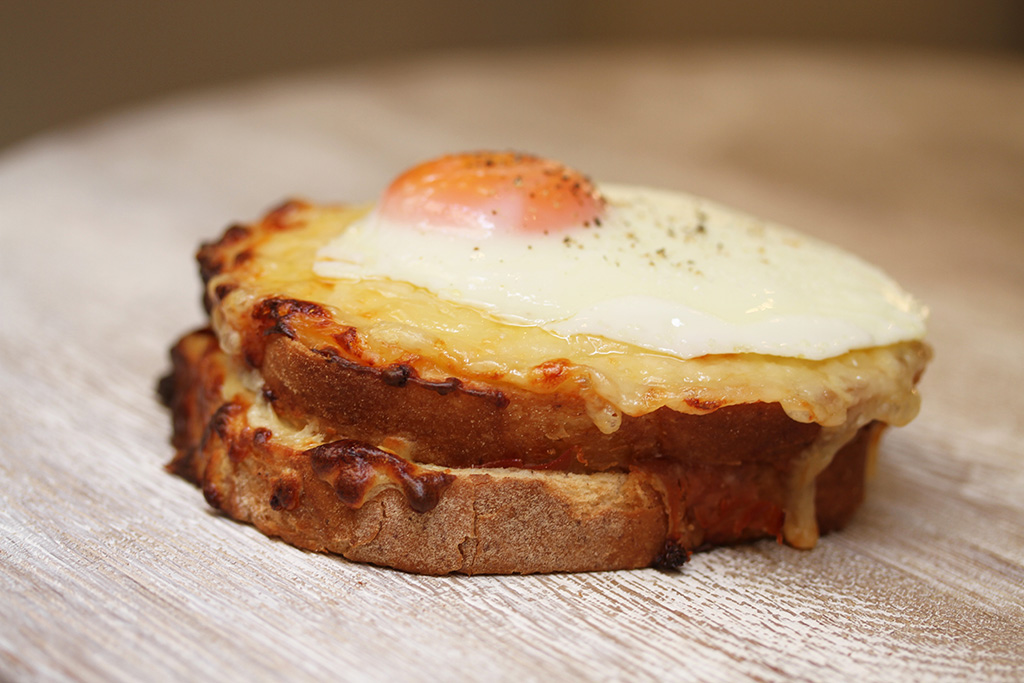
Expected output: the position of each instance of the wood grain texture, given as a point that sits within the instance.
(114, 570)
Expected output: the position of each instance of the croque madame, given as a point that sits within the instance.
(500, 367)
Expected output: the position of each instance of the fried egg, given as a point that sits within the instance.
(530, 242)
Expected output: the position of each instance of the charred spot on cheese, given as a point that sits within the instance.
(358, 471)
(396, 375)
(211, 255)
(220, 424)
(551, 373)
(212, 494)
(223, 289)
(281, 316)
(287, 491)
(703, 405)
(348, 340)
(286, 215)
(233, 235)
(401, 375)
(261, 436)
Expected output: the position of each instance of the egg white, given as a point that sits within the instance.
(663, 271)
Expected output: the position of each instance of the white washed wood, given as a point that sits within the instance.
(114, 570)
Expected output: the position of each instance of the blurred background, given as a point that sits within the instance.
(65, 60)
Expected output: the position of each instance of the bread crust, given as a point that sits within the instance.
(352, 498)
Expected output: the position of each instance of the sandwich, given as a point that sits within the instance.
(500, 366)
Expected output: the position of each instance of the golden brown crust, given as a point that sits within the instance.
(357, 500)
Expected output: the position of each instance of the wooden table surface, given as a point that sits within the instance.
(114, 570)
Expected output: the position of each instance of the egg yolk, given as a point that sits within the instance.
(492, 192)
